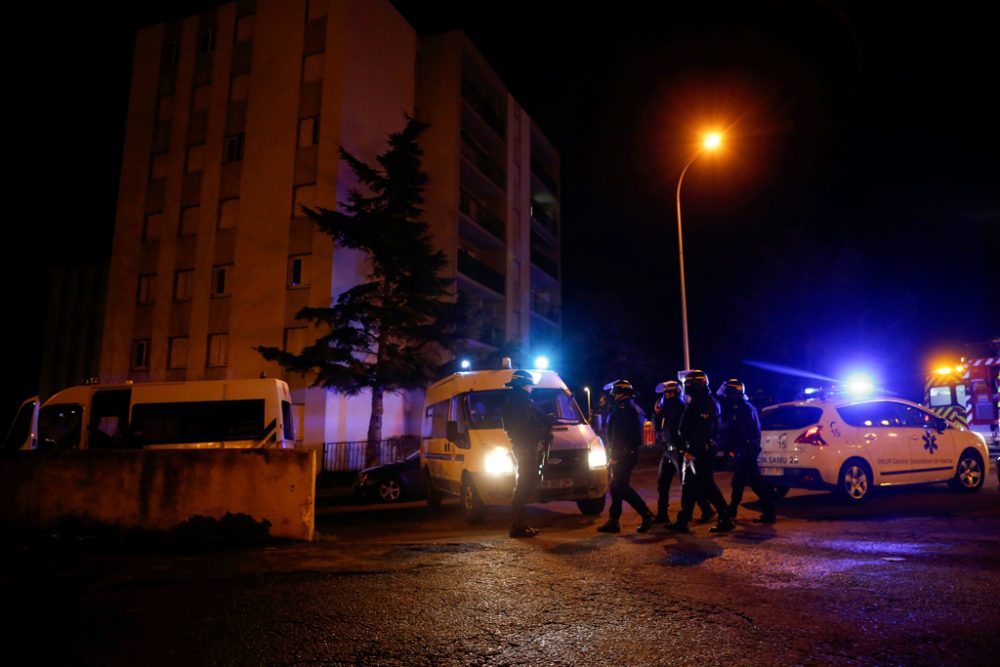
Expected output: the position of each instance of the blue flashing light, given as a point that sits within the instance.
(860, 384)
(812, 390)
(541, 362)
(466, 364)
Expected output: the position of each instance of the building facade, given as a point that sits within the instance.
(235, 121)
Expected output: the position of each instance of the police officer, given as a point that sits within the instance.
(739, 438)
(528, 428)
(624, 438)
(666, 420)
(698, 434)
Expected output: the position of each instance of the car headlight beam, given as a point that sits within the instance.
(499, 462)
(597, 457)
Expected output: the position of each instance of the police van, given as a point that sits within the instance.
(466, 452)
(207, 414)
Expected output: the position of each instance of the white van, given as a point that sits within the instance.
(466, 452)
(208, 414)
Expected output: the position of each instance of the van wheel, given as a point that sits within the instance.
(969, 474)
(431, 493)
(591, 506)
(779, 491)
(473, 508)
(855, 481)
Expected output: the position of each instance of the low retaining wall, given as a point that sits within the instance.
(157, 490)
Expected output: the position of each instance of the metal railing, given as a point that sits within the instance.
(546, 178)
(481, 273)
(358, 454)
(545, 221)
(478, 101)
(544, 263)
(475, 210)
(475, 154)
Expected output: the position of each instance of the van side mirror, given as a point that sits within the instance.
(940, 424)
(453, 434)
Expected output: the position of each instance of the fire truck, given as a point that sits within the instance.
(968, 393)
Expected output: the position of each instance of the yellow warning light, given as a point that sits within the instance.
(944, 370)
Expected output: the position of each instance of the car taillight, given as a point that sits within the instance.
(812, 436)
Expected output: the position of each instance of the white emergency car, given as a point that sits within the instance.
(851, 446)
(466, 452)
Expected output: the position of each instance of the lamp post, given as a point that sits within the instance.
(587, 391)
(711, 142)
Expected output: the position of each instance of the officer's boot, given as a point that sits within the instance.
(679, 526)
(611, 526)
(724, 525)
(661, 515)
(647, 523)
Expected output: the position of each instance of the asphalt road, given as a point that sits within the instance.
(910, 578)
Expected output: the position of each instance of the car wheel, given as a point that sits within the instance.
(855, 481)
(473, 508)
(591, 506)
(431, 493)
(390, 490)
(969, 473)
(779, 491)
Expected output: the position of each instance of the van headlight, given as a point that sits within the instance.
(499, 462)
(597, 457)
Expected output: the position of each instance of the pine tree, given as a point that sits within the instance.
(386, 334)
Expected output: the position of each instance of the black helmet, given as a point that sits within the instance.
(694, 379)
(520, 378)
(670, 388)
(732, 388)
(622, 387)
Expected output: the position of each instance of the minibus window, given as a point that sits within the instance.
(59, 426)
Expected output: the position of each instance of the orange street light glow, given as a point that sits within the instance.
(713, 140)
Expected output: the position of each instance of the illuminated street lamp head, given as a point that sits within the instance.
(712, 141)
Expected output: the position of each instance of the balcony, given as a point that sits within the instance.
(545, 224)
(544, 308)
(478, 157)
(482, 274)
(476, 211)
(482, 106)
(542, 175)
(544, 263)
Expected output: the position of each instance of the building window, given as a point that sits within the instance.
(309, 131)
(220, 280)
(171, 52)
(190, 215)
(297, 271)
(312, 68)
(218, 349)
(177, 353)
(152, 227)
(234, 148)
(206, 40)
(140, 355)
(182, 284)
(147, 289)
(195, 158)
(229, 212)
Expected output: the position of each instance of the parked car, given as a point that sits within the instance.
(851, 446)
(392, 482)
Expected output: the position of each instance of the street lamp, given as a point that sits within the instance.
(586, 390)
(711, 142)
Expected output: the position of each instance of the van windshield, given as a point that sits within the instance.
(486, 407)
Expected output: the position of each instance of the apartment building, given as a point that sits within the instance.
(235, 119)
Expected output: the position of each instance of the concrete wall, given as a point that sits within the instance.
(159, 490)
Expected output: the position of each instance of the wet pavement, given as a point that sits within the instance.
(910, 578)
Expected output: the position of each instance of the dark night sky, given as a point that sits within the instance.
(854, 216)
